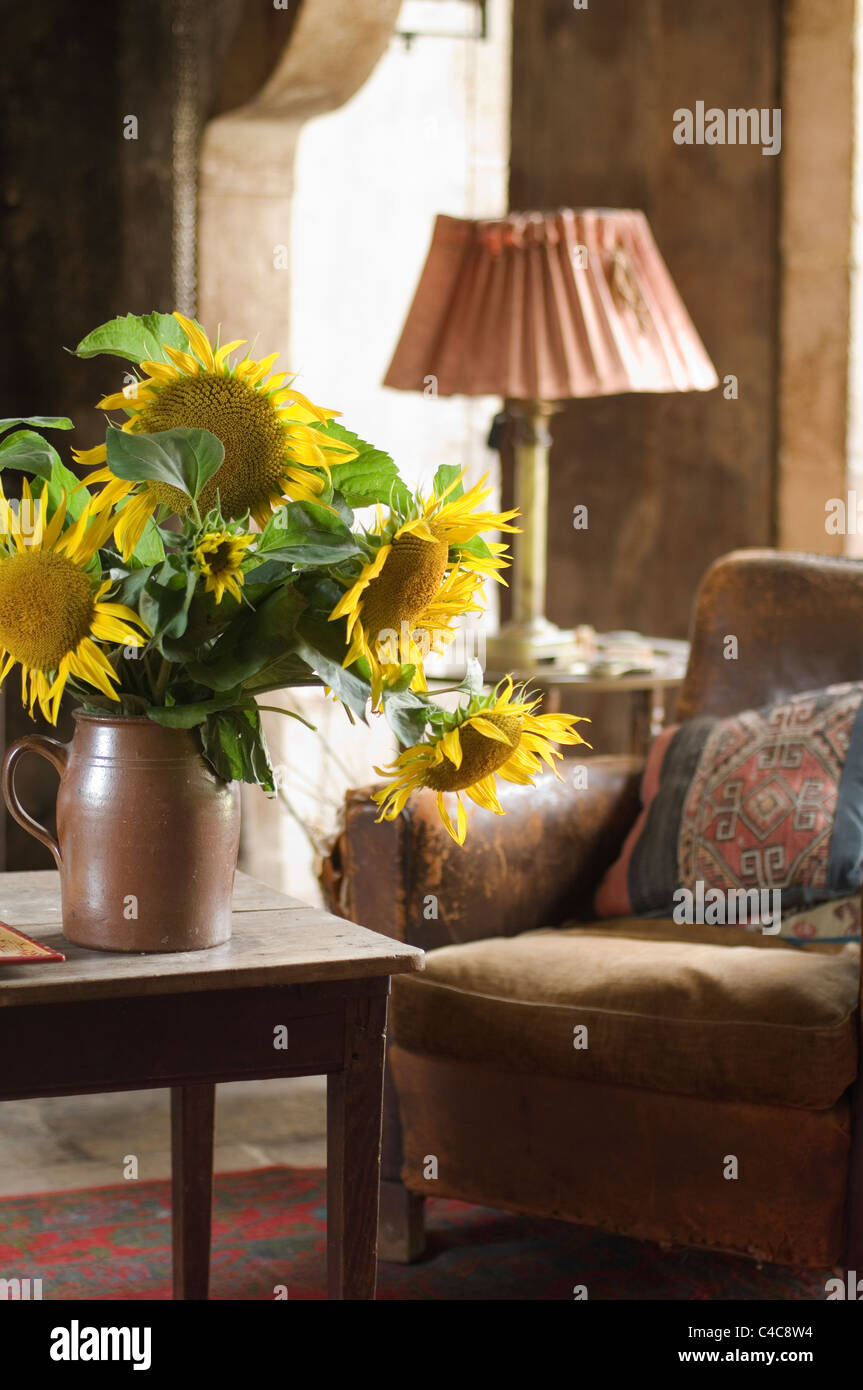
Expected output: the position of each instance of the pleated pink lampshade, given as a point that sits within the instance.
(546, 307)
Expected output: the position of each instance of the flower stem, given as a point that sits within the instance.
(291, 713)
(162, 679)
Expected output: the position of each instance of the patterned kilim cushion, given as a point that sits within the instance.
(769, 799)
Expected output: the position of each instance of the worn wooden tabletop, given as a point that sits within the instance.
(276, 940)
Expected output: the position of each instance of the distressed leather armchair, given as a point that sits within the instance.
(703, 1042)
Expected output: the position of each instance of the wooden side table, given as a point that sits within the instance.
(648, 690)
(647, 696)
(296, 992)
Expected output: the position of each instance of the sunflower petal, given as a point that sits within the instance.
(225, 351)
(488, 730)
(90, 457)
(184, 360)
(450, 746)
(198, 340)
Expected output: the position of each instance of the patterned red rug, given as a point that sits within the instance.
(269, 1229)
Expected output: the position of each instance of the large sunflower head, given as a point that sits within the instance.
(496, 735)
(273, 452)
(450, 517)
(424, 568)
(52, 611)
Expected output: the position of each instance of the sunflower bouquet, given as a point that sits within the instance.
(212, 554)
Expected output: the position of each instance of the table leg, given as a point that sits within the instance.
(192, 1113)
(401, 1227)
(354, 1108)
(642, 716)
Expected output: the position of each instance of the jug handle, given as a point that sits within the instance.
(57, 754)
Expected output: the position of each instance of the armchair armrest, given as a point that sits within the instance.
(536, 866)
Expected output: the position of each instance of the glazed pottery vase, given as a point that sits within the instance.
(147, 835)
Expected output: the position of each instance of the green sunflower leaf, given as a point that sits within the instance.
(62, 480)
(260, 578)
(182, 457)
(407, 715)
(306, 534)
(42, 422)
(164, 602)
(446, 474)
(285, 671)
(404, 680)
(233, 743)
(128, 583)
(34, 455)
(320, 591)
(322, 645)
(338, 503)
(136, 337)
(474, 680)
(370, 477)
(30, 452)
(190, 716)
(475, 546)
(252, 642)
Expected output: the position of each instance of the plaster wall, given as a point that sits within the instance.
(313, 237)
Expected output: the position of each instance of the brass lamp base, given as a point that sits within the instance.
(521, 646)
(529, 639)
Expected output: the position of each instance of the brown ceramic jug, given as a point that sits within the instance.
(147, 835)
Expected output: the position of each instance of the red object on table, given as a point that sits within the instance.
(18, 949)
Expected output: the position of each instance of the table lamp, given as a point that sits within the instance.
(542, 308)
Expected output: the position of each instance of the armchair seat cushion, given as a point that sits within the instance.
(691, 1010)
